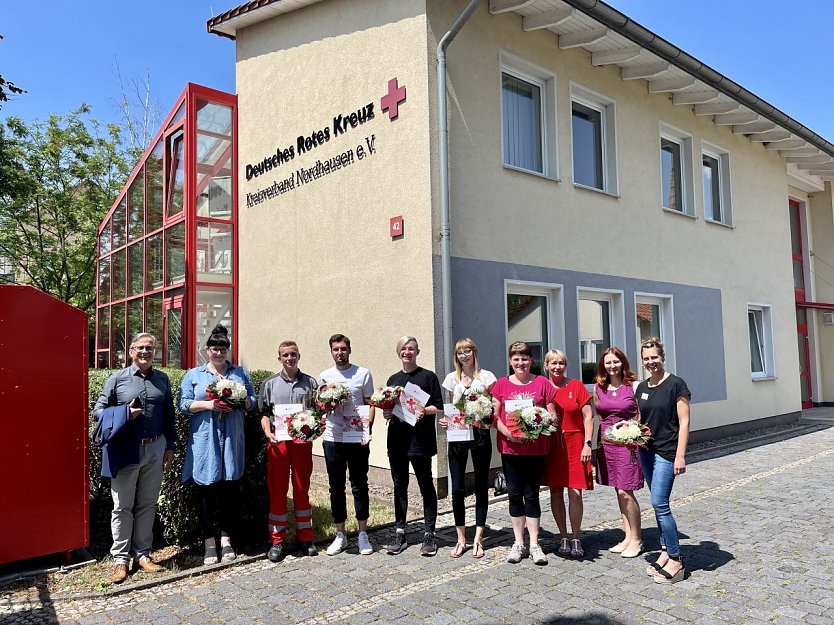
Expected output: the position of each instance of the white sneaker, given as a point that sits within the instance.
(537, 555)
(365, 546)
(338, 545)
(517, 553)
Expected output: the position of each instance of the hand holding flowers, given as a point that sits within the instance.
(330, 396)
(531, 422)
(477, 409)
(227, 395)
(628, 433)
(305, 426)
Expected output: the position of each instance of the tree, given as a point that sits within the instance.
(7, 88)
(58, 179)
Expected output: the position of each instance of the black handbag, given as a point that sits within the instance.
(500, 484)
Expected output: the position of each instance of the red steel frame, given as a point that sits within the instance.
(800, 297)
(188, 123)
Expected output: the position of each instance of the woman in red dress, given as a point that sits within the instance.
(569, 465)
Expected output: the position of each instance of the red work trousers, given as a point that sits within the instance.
(285, 458)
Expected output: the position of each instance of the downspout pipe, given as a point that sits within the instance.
(445, 221)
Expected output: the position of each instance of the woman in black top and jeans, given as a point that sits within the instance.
(664, 406)
(415, 444)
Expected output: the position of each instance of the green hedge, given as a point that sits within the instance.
(177, 508)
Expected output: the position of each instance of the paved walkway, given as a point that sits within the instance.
(756, 535)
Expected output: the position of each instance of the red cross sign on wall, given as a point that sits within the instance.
(391, 100)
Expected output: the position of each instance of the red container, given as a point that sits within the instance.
(44, 490)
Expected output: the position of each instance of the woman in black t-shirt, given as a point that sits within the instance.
(664, 406)
(415, 444)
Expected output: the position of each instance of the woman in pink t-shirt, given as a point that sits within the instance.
(522, 459)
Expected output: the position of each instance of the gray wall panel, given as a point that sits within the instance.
(479, 312)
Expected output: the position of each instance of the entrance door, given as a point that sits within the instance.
(172, 331)
(804, 356)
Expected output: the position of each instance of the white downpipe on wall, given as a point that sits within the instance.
(445, 222)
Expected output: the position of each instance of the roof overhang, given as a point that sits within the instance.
(614, 39)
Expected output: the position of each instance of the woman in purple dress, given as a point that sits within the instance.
(614, 401)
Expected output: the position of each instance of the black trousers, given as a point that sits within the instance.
(481, 449)
(524, 478)
(219, 506)
(400, 477)
(350, 459)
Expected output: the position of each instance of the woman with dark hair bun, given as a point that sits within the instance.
(214, 453)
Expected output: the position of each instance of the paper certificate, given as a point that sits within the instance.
(281, 412)
(355, 423)
(511, 405)
(412, 400)
(457, 430)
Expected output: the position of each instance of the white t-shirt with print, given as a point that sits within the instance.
(361, 385)
(484, 380)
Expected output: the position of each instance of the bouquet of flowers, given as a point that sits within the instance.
(305, 426)
(228, 393)
(331, 395)
(386, 397)
(533, 422)
(628, 433)
(476, 407)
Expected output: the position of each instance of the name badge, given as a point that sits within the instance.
(644, 395)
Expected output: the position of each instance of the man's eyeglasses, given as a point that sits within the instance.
(143, 348)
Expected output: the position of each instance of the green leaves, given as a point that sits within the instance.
(58, 179)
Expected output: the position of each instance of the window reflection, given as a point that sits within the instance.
(175, 254)
(527, 321)
(594, 335)
(214, 252)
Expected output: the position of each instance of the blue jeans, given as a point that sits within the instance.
(660, 476)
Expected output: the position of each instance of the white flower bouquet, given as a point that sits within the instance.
(476, 407)
(228, 392)
(532, 422)
(331, 395)
(628, 433)
(386, 397)
(305, 426)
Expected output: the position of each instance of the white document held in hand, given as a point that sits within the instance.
(511, 405)
(412, 400)
(457, 430)
(355, 426)
(281, 412)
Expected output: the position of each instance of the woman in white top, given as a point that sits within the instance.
(466, 378)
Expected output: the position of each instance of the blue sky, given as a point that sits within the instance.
(63, 53)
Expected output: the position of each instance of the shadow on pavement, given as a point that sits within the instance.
(588, 618)
(705, 556)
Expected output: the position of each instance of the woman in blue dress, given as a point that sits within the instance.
(214, 453)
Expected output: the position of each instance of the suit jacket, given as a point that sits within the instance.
(120, 440)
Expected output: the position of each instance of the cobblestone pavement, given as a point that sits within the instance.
(756, 538)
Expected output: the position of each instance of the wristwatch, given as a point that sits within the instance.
(589, 443)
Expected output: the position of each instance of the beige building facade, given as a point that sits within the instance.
(598, 193)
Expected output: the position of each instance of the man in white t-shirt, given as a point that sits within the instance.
(346, 439)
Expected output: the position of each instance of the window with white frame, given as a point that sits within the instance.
(715, 171)
(593, 140)
(534, 315)
(676, 188)
(654, 317)
(528, 114)
(601, 325)
(760, 330)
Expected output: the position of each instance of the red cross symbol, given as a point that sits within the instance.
(411, 403)
(391, 100)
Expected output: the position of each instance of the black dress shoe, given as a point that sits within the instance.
(275, 553)
(307, 548)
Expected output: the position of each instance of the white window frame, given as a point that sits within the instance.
(546, 82)
(684, 141)
(555, 308)
(765, 339)
(608, 110)
(667, 327)
(616, 312)
(724, 187)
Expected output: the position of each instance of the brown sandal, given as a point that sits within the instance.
(458, 551)
(477, 549)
